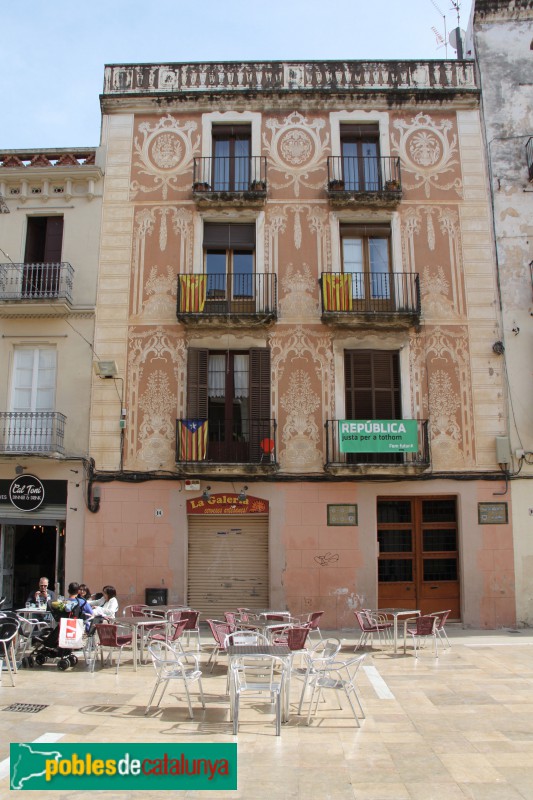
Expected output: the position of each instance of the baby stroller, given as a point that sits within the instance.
(47, 645)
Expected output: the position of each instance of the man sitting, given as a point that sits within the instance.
(43, 595)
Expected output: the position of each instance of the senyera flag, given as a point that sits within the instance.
(192, 439)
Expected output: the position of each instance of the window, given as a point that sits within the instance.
(231, 389)
(229, 265)
(231, 158)
(372, 391)
(32, 397)
(44, 238)
(366, 257)
(360, 158)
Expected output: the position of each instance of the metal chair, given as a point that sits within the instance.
(294, 637)
(369, 626)
(170, 666)
(313, 620)
(442, 617)
(110, 639)
(220, 631)
(324, 650)
(340, 676)
(8, 632)
(425, 625)
(172, 638)
(135, 610)
(192, 625)
(257, 677)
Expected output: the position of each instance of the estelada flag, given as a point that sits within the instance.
(192, 439)
(192, 293)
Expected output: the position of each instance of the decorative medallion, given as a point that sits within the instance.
(428, 151)
(296, 148)
(165, 152)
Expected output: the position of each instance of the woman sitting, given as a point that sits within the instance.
(106, 606)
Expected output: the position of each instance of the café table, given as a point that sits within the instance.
(395, 613)
(139, 626)
(237, 651)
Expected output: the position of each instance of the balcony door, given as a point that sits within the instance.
(231, 389)
(42, 257)
(229, 253)
(360, 158)
(32, 395)
(366, 257)
(231, 158)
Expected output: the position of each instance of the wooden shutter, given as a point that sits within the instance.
(229, 236)
(260, 398)
(372, 384)
(197, 366)
(359, 131)
(44, 238)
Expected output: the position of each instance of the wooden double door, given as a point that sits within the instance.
(418, 561)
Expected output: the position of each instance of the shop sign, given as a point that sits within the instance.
(26, 493)
(378, 435)
(219, 504)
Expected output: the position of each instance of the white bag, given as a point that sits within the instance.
(71, 633)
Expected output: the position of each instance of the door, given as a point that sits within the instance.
(231, 163)
(7, 561)
(418, 562)
(360, 165)
(31, 423)
(366, 257)
(229, 256)
(42, 257)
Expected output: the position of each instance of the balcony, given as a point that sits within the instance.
(368, 181)
(364, 300)
(243, 447)
(36, 289)
(228, 180)
(235, 299)
(529, 157)
(24, 432)
(380, 463)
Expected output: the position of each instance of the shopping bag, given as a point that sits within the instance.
(71, 633)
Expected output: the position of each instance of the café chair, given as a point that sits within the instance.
(442, 617)
(110, 639)
(340, 676)
(260, 678)
(324, 650)
(172, 666)
(425, 625)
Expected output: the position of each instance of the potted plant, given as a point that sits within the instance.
(336, 185)
(258, 185)
(392, 185)
(201, 186)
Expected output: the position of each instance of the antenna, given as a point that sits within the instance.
(457, 34)
(441, 39)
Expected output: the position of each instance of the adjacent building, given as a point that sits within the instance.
(49, 239)
(501, 40)
(301, 398)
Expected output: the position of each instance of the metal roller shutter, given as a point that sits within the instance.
(228, 563)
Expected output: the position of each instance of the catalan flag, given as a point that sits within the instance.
(192, 439)
(337, 291)
(192, 292)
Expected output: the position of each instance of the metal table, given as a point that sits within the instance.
(395, 613)
(236, 651)
(138, 625)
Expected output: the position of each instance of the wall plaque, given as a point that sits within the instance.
(343, 514)
(26, 493)
(492, 513)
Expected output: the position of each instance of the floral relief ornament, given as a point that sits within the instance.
(296, 148)
(165, 152)
(427, 151)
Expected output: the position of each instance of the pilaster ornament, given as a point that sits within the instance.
(296, 148)
(164, 153)
(300, 431)
(428, 151)
(298, 293)
(157, 425)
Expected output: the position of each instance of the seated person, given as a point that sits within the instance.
(84, 591)
(78, 606)
(107, 606)
(43, 595)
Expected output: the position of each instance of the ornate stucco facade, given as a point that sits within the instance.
(160, 123)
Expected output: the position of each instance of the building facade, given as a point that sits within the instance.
(501, 39)
(296, 299)
(49, 239)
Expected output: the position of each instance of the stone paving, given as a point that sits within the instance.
(456, 727)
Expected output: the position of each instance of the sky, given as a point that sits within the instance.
(54, 51)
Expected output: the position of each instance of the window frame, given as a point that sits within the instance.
(369, 286)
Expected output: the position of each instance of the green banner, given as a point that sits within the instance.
(378, 435)
(124, 767)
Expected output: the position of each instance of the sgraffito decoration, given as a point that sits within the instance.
(157, 362)
(163, 152)
(296, 148)
(300, 430)
(298, 290)
(428, 151)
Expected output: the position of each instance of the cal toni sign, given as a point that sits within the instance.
(26, 493)
(378, 435)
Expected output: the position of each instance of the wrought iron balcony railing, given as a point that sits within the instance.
(231, 175)
(248, 441)
(233, 294)
(36, 281)
(32, 432)
(351, 175)
(354, 293)
(335, 458)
